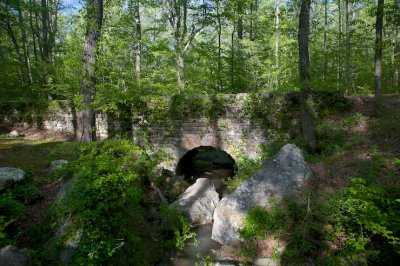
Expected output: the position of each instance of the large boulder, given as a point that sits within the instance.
(12, 256)
(10, 173)
(282, 175)
(198, 202)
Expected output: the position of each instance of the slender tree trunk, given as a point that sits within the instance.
(18, 54)
(180, 64)
(347, 89)
(35, 53)
(325, 69)
(24, 43)
(233, 58)
(37, 31)
(138, 26)
(86, 117)
(240, 21)
(307, 122)
(396, 57)
(397, 49)
(251, 20)
(339, 82)
(378, 53)
(45, 33)
(277, 4)
(219, 46)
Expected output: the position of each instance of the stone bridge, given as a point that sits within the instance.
(240, 124)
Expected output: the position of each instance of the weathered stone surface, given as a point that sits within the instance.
(265, 262)
(198, 202)
(12, 256)
(58, 164)
(10, 173)
(15, 133)
(282, 175)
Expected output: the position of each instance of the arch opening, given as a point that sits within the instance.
(204, 160)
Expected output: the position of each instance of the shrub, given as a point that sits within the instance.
(108, 185)
(10, 211)
(175, 227)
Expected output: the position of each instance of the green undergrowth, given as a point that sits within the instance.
(108, 202)
(15, 199)
(358, 225)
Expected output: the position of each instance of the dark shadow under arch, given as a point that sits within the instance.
(203, 159)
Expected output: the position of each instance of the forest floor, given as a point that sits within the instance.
(374, 142)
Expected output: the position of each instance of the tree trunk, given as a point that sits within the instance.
(37, 31)
(339, 82)
(307, 122)
(378, 53)
(325, 68)
(35, 53)
(347, 88)
(397, 50)
(45, 33)
(24, 43)
(240, 20)
(180, 64)
(233, 58)
(219, 46)
(138, 48)
(177, 17)
(277, 3)
(85, 117)
(396, 57)
(18, 54)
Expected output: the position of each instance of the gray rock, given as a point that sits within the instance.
(58, 164)
(12, 256)
(265, 262)
(15, 133)
(198, 202)
(10, 173)
(282, 175)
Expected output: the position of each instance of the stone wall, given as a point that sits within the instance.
(236, 123)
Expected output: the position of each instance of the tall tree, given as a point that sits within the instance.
(307, 123)
(397, 46)
(347, 84)
(378, 52)
(339, 83)
(24, 42)
(183, 35)
(85, 117)
(135, 5)
(45, 36)
(325, 67)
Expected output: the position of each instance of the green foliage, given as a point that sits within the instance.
(330, 139)
(260, 223)
(329, 103)
(358, 225)
(273, 110)
(365, 222)
(245, 168)
(10, 211)
(352, 120)
(26, 193)
(175, 227)
(104, 199)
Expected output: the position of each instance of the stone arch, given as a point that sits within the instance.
(203, 159)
